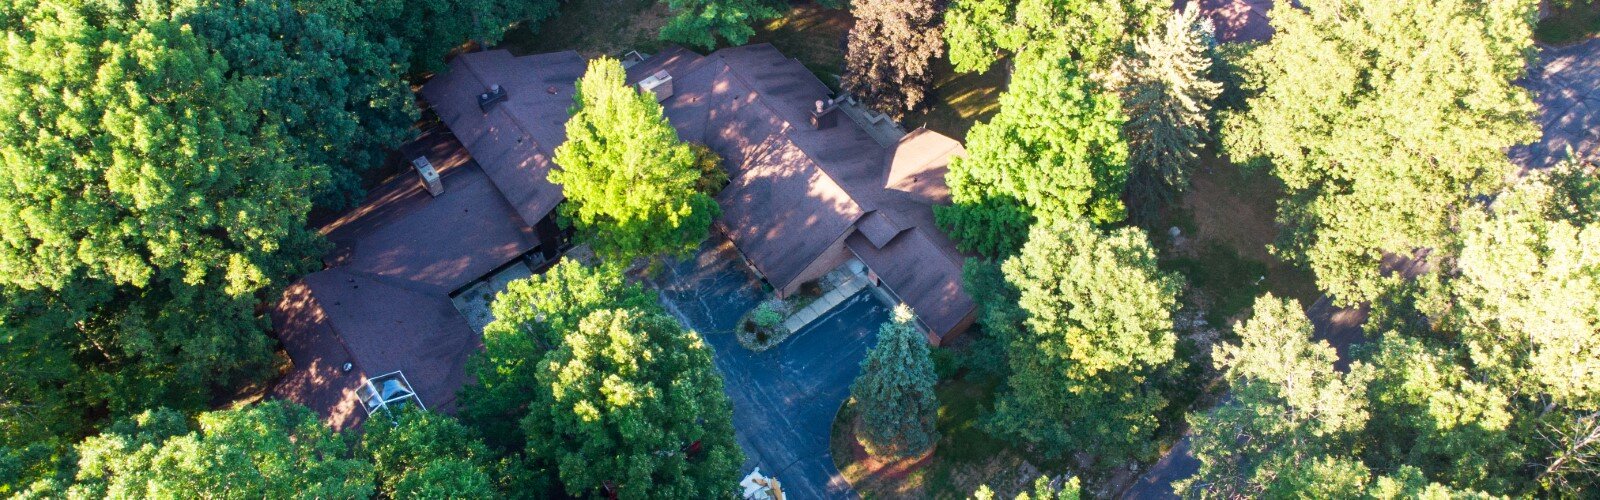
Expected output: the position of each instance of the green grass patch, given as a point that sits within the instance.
(813, 34)
(1567, 25)
(1231, 282)
(960, 100)
(593, 28)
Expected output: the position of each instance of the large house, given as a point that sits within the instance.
(810, 191)
(380, 324)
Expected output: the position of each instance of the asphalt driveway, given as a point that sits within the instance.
(783, 399)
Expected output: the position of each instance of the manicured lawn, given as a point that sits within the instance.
(1568, 25)
(960, 100)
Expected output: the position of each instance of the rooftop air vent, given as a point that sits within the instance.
(487, 100)
(429, 175)
(659, 83)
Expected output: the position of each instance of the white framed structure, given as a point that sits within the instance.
(390, 390)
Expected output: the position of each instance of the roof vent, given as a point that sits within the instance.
(430, 175)
(825, 114)
(487, 100)
(659, 83)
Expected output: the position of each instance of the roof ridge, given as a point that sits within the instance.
(789, 126)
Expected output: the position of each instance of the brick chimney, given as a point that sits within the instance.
(825, 114)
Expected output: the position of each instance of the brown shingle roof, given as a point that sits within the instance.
(515, 140)
(383, 303)
(796, 190)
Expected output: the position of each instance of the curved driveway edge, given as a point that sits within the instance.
(784, 399)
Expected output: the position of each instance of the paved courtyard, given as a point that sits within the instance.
(784, 399)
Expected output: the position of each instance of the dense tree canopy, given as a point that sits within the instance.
(892, 46)
(1168, 99)
(531, 316)
(894, 392)
(272, 450)
(1291, 418)
(701, 23)
(149, 200)
(1383, 120)
(584, 379)
(1055, 150)
(1095, 30)
(421, 454)
(631, 399)
(1098, 327)
(629, 182)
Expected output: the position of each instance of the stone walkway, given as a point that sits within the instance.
(825, 303)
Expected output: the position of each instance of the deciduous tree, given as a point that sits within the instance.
(1095, 30)
(629, 182)
(630, 399)
(1291, 420)
(1055, 150)
(894, 392)
(1383, 120)
(701, 23)
(889, 58)
(1098, 327)
(148, 206)
(271, 450)
(420, 454)
(531, 317)
(1168, 98)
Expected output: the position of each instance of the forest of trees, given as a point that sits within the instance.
(159, 161)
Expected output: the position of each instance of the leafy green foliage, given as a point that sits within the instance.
(701, 23)
(582, 377)
(531, 317)
(1168, 99)
(342, 99)
(1291, 418)
(272, 450)
(428, 30)
(1095, 30)
(889, 57)
(894, 392)
(1429, 413)
(1098, 326)
(147, 209)
(1383, 119)
(630, 398)
(1017, 169)
(427, 455)
(630, 183)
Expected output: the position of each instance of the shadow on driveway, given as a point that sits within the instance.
(783, 399)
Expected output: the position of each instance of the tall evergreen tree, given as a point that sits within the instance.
(889, 57)
(894, 392)
(701, 23)
(1095, 30)
(1055, 150)
(1168, 99)
(629, 182)
(1291, 420)
(1383, 120)
(1098, 328)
